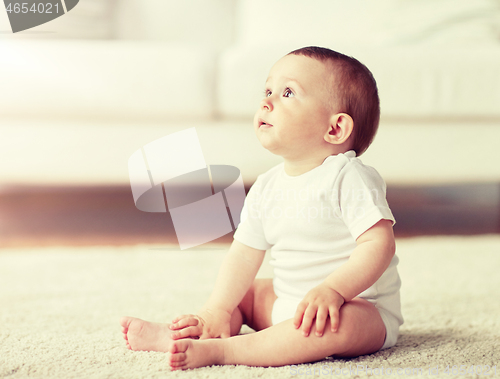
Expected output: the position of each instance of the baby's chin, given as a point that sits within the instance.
(271, 146)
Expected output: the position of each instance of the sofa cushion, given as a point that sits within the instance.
(210, 23)
(105, 78)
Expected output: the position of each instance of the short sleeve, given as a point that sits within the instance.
(360, 198)
(250, 231)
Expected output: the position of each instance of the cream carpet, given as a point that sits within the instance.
(59, 311)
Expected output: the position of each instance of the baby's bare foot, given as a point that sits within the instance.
(144, 335)
(188, 353)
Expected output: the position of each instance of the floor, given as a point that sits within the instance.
(60, 308)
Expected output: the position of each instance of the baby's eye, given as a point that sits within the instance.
(267, 93)
(288, 93)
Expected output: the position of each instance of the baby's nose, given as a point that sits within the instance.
(266, 104)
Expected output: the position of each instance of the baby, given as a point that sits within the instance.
(325, 218)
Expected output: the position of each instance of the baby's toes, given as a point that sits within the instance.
(177, 359)
(179, 346)
(125, 322)
(175, 368)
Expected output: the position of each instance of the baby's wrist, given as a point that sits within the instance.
(336, 291)
(340, 295)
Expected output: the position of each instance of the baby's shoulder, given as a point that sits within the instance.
(357, 166)
(355, 171)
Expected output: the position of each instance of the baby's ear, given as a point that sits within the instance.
(340, 129)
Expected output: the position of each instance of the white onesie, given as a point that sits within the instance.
(311, 223)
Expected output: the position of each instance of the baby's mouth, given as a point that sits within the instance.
(263, 124)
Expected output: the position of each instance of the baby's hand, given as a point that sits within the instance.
(209, 323)
(319, 302)
(186, 326)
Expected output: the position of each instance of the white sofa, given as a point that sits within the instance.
(80, 94)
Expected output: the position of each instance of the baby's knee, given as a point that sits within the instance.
(256, 305)
(361, 329)
(246, 304)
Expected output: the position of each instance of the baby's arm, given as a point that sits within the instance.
(235, 277)
(371, 257)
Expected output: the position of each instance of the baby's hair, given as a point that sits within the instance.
(355, 93)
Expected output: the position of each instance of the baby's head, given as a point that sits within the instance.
(318, 101)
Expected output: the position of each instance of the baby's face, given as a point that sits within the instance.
(294, 114)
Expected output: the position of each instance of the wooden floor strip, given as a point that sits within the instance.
(106, 215)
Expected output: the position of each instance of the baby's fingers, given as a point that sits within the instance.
(334, 318)
(321, 317)
(307, 321)
(188, 320)
(192, 331)
(178, 318)
(297, 319)
(226, 333)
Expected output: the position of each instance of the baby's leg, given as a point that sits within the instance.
(256, 307)
(254, 310)
(361, 331)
